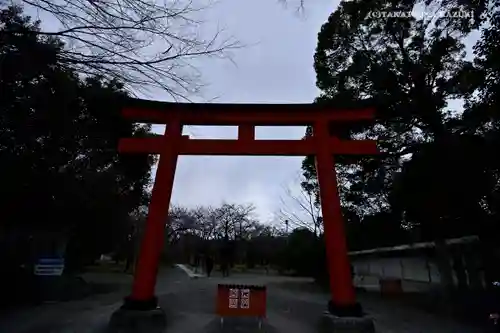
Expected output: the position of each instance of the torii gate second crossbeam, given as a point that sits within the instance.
(246, 117)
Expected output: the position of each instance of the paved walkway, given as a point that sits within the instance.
(189, 304)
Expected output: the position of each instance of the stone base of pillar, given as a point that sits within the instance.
(353, 310)
(330, 323)
(128, 319)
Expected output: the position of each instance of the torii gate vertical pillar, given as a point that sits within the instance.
(343, 298)
(140, 311)
(344, 313)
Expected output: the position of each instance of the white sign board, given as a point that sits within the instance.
(239, 297)
(49, 267)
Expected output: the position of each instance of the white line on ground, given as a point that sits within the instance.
(189, 272)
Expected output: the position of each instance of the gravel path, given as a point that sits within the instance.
(190, 303)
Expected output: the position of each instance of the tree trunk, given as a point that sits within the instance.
(459, 268)
(443, 260)
(473, 271)
(489, 261)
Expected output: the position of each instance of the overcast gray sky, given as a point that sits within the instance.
(276, 67)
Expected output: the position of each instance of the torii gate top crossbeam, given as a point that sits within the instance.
(246, 117)
(238, 114)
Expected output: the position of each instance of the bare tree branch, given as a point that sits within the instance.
(300, 210)
(143, 43)
(293, 219)
(297, 4)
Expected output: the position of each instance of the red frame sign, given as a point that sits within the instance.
(241, 300)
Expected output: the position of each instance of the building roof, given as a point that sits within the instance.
(415, 246)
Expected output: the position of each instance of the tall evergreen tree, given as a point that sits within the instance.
(60, 169)
(410, 69)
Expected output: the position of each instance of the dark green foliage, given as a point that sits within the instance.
(60, 169)
(457, 177)
(301, 252)
(409, 69)
(381, 229)
(438, 172)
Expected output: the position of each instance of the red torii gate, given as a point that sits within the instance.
(246, 117)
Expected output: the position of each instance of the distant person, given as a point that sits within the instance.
(224, 267)
(129, 256)
(197, 261)
(266, 266)
(209, 265)
(128, 263)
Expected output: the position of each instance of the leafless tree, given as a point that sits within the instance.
(206, 222)
(205, 228)
(180, 220)
(142, 43)
(234, 221)
(298, 5)
(300, 209)
(229, 220)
